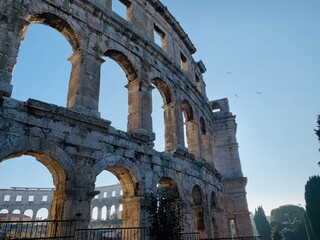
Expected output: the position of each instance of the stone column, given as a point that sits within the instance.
(188, 219)
(11, 29)
(225, 225)
(171, 130)
(193, 138)
(131, 212)
(199, 221)
(9, 217)
(140, 106)
(206, 147)
(216, 223)
(99, 213)
(84, 85)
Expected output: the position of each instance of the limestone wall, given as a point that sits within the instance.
(76, 145)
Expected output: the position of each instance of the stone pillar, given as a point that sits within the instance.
(188, 216)
(225, 225)
(140, 106)
(171, 130)
(199, 221)
(11, 28)
(216, 223)
(206, 147)
(131, 212)
(116, 212)
(193, 138)
(99, 213)
(84, 85)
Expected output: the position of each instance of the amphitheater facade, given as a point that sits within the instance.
(75, 144)
(19, 204)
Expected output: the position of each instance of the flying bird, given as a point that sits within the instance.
(258, 92)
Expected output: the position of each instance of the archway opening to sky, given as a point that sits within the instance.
(113, 98)
(158, 123)
(42, 71)
(106, 207)
(33, 189)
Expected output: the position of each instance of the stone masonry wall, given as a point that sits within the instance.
(75, 144)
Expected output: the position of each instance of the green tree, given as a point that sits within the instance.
(289, 221)
(262, 223)
(318, 132)
(276, 235)
(164, 215)
(318, 128)
(312, 198)
(287, 214)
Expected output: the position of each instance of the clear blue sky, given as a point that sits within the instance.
(249, 47)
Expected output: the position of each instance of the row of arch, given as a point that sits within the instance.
(29, 214)
(179, 107)
(104, 213)
(204, 207)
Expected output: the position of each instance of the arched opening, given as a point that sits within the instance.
(216, 107)
(169, 186)
(115, 101)
(191, 128)
(215, 215)
(205, 140)
(32, 176)
(94, 215)
(16, 216)
(164, 209)
(103, 204)
(198, 210)
(42, 214)
(121, 199)
(198, 83)
(203, 126)
(28, 213)
(104, 213)
(42, 71)
(4, 214)
(163, 125)
(113, 98)
(113, 212)
(129, 200)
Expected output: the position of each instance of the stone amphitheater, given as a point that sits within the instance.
(20, 203)
(75, 144)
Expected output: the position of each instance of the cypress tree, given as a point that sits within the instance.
(262, 224)
(312, 197)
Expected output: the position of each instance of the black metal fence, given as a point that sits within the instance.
(123, 234)
(55, 229)
(237, 238)
(63, 229)
(112, 234)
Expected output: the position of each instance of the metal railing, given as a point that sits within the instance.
(51, 229)
(64, 229)
(112, 234)
(237, 238)
(123, 234)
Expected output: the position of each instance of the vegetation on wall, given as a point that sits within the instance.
(164, 215)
